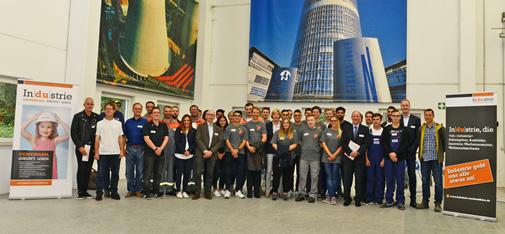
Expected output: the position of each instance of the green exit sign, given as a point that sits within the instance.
(441, 105)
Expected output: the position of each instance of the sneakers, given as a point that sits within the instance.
(327, 200)
(312, 199)
(179, 195)
(299, 197)
(80, 197)
(98, 196)
(239, 194)
(401, 206)
(387, 205)
(422, 205)
(185, 195)
(217, 193)
(159, 195)
(274, 196)
(285, 196)
(333, 201)
(115, 196)
(438, 207)
(223, 192)
(148, 196)
(87, 195)
(227, 194)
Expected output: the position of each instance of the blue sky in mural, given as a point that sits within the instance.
(383, 19)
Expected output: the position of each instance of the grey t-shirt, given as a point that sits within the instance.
(285, 141)
(309, 140)
(333, 140)
(254, 131)
(235, 134)
(319, 125)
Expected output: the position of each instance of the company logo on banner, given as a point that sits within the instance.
(41, 153)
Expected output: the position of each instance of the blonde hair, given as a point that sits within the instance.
(275, 111)
(282, 133)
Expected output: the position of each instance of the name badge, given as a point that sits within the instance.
(394, 134)
(152, 131)
(93, 126)
(412, 126)
(376, 141)
(234, 130)
(361, 135)
(216, 134)
(305, 134)
(252, 129)
(394, 140)
(329, 134)
(140, 126)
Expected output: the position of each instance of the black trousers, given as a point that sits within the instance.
(287, 176)
(83, 171)
(253, 183)
(183, 169)
(153, 165)
(204, 166)
(411, 171)
(356, 168)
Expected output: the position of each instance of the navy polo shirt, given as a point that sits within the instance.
(133, 130)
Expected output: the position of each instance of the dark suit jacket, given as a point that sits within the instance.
(413, 128)
(180, 141)
(202, 140)
(362, 138)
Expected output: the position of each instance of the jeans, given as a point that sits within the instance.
(183, 169)
(428, 167)
(395, 174)
(411, 171)
(134, 168)
(253, 183)
(108, 164)
(240, 171)
(332, 171)
(218, 180)
(153, 164)
(305, 167)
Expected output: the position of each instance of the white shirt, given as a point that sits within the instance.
(211, 132)
(276, 127)
(109, 132)
(406, 120)
(182, 156)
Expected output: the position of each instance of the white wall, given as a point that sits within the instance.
(451, 48)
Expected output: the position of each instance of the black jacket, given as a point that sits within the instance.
(405, 138)
(362, 139)
(413, 128)
(83, 129)
(180, 141)
(270, 133)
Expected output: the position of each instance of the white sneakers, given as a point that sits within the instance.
(239, 194)
(227, 194)
(217, 193)
(182, 195)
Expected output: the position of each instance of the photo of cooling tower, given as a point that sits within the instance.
(149, 45)
(340, 48)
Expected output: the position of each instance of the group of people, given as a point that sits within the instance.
(271, 152)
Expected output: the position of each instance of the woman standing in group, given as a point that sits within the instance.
(185, 143)
(284, 142)
(331, 141)
(219, 177)
(272, 127)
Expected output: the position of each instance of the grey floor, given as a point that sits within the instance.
(171, 215)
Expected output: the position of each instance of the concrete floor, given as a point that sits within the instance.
(171, 215)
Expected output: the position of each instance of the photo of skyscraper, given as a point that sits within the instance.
(338, 47)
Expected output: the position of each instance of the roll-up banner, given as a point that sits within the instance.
(470, 164)
(41, 154)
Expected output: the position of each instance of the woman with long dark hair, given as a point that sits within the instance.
(185, 144)
(219, 178)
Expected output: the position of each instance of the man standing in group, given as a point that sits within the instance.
(285, 115)
(235, 137)
(341, 115)
(196, 118)
(395, 139)
(388, 120)
(168, 172)
(411, 124)
(369, 119)
(265, 114)
(149, 109)
(355, 141)
(328, 113)
(83, 132)
(310, 159)
(156, 138)
(109, 149)
(174, 121)
(209, 139)
(297, 125)
(431, 154)
(133, 130)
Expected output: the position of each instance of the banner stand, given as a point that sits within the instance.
(470, 216)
